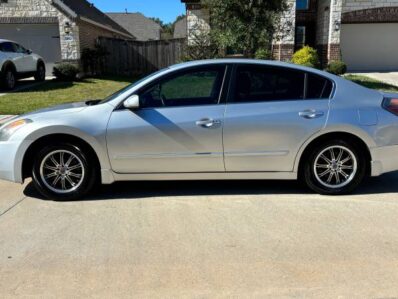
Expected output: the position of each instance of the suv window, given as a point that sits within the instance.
(7, 47)
(318, 87)
(19, 48)
(199, 86)
(265, 83)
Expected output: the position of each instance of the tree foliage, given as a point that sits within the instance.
(244, 26)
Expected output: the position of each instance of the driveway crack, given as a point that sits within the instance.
(13, 206)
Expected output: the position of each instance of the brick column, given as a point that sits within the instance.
(283, 43)
(334, 51)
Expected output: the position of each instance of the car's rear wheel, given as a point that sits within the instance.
(40, 75)
(9, 79)
(63, 172)
(335, 167)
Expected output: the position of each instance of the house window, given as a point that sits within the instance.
(300, 37)
(302, 4)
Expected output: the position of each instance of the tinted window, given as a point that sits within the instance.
(195, 87)
(318, 87)
(7, 47)
(257, 83)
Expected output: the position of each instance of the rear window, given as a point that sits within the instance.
(318, 87)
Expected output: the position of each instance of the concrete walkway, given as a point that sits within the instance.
(387, 77)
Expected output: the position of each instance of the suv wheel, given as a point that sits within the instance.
(9, 79)
(63, 172)
(40, 75)
(335, 168)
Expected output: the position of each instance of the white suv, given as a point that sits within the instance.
(16, 62)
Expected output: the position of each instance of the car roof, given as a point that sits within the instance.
(6, 40)
(253, 61)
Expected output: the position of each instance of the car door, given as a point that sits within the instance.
(271, 112)
(177, 129)
(26, 61)
(10, 54)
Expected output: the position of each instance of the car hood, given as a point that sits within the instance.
(57, 110)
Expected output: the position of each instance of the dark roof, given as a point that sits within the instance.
(82, 8)
(180, 28)
(138, 25)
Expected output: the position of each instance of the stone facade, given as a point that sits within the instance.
(198, 21)
(75, 34)
(43, 9)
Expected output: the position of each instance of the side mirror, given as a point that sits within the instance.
(29, 52)
(132, 102)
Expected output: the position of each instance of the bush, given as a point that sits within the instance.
(306, 56)
(66, 72)
(337, 68)
(263, 54)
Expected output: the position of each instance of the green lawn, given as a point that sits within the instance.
(53, 93)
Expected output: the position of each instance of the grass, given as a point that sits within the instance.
(55, 93)
(372, 83)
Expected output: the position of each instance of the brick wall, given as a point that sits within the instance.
(89, 33)
(351, 5)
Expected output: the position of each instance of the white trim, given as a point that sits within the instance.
(105, 27)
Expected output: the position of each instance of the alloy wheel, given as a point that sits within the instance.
(62, 171)
(335, 167)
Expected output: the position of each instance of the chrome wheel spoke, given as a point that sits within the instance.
(75, 167)
(332, 154)
(325, 173)
(52, 168)
(74, 175)
(69, 161)
(346, 160)
(70, 181)
(51, 175)
(326, 159)
(349, 167)
(54, 161)
(56, 180)
(322, 166)
(340, 155)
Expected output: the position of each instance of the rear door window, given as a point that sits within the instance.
(264, 83)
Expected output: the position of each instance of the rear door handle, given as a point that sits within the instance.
(208, 123)
(311, 114)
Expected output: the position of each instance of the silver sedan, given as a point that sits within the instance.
(210, 120)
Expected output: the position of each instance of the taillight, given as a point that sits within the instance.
(391, 104)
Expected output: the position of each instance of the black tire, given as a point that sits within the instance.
(89, 173)
(9, 79)
(40, 74)
(313, 179)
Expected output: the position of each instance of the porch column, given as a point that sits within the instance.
(284, 37)
(198, 22)
(334, 50)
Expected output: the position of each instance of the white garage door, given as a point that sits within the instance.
(370, 47)
(42, 39)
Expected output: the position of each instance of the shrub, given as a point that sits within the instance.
(65, 72)
(306, 56)
(337, 68)
(263, 54)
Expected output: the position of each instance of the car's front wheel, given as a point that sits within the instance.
(335, 167)
(40, 75)
(9, 79)
(63, 172)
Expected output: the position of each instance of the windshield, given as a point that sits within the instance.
(120, 92)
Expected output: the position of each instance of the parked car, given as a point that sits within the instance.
(16, 62)
(210, 120)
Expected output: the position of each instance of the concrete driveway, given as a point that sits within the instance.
(387, 77)
(201, 240)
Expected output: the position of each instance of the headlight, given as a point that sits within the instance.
(9, 129)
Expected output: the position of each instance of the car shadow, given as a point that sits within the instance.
(141, 190)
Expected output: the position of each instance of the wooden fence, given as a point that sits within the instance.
(137, 57)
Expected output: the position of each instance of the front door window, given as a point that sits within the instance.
(300, 37)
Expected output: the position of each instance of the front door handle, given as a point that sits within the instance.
(208, 123)
(311, 114)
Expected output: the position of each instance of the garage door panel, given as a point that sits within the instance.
(42, 39)
(370, 47)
